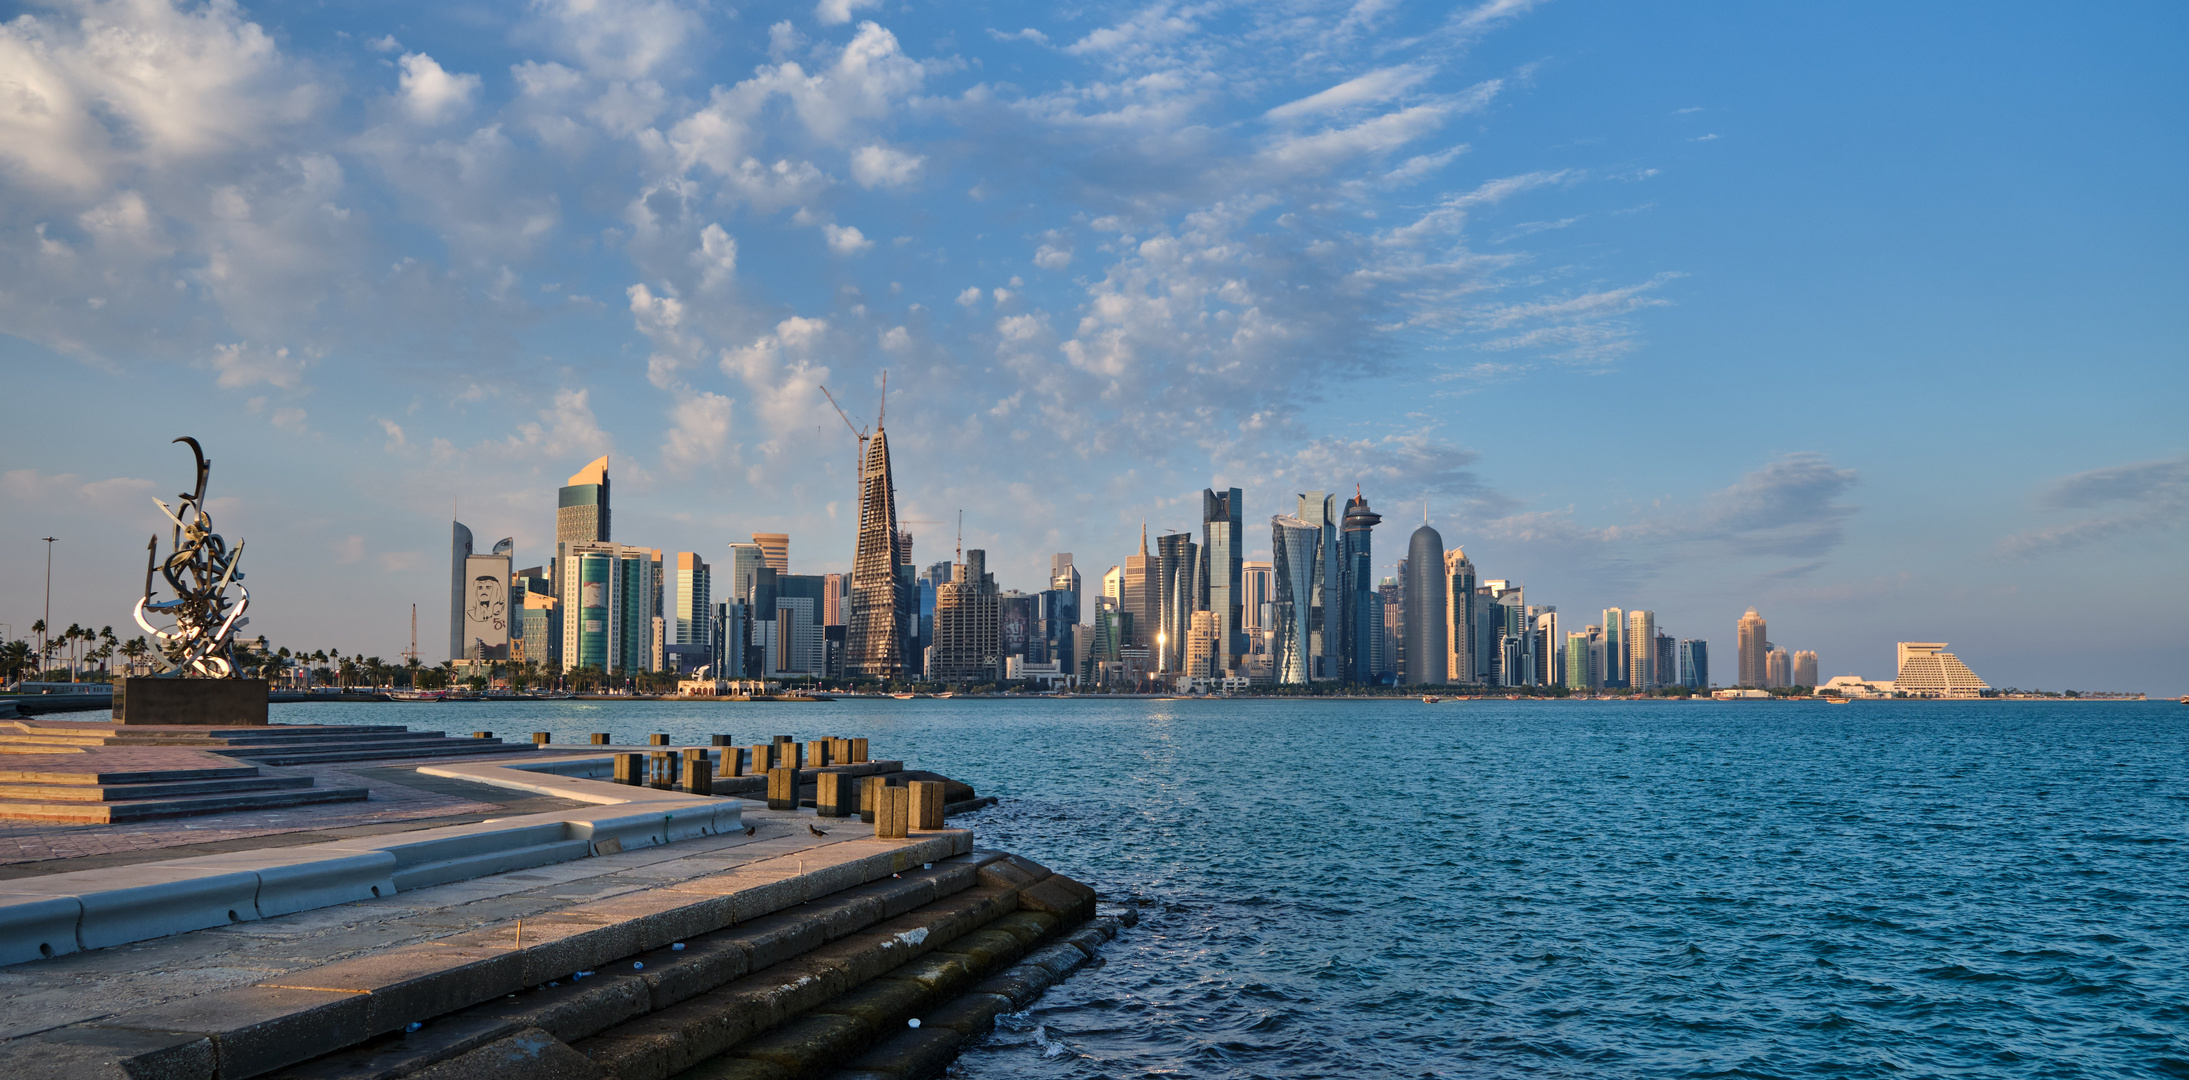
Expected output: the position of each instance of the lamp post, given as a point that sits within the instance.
(47, 621)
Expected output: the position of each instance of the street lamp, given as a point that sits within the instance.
(47, 621)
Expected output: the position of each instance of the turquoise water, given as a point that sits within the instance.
(1560, 889)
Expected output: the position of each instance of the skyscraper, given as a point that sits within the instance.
(610, 607)
(1695, 664)
(1641, 650)
(1295, 547)
(1459, 619)
(1805, 668)
(1750, 657)
(775, 547)
(483, 614)
(694, 600)
(1143, 595)
(1257, 588)
(968, 624)
(1667, 670)
(1427, 651)
(1362, 613)
(1113, 587)
(460, 550)
(1577, 661)
(1778, 669)
(1613, 669)
(1550, 654)
(1926, 669)
(875, 634)
(1180, 582)
(1221, 556)
(1326, 627)
(746, 560)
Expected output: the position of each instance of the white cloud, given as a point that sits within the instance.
(2145, 497)
(699, 431)
(717, 255)
(838, 12)
(1052, 257)
(845, 239)
(1380, 85)
(970, 296)
(879, 166)
(618, 39)
(430, 93)
(1487, 15)
(240, 365)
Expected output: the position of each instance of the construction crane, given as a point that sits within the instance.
(412, 652)
(857, 432)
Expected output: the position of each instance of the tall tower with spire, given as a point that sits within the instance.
(874, 637)
(1143, 594)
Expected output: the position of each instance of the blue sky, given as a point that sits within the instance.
(1867, 315)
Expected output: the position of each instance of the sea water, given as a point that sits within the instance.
(1653, 889)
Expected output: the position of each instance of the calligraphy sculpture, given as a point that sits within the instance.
(200, 572)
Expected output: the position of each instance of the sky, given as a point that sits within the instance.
(1868, 315)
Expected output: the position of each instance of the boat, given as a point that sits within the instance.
(1430, 699)
(904, 697)
(417, 695)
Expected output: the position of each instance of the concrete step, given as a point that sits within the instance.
(437, 748)
(88, 793)
(105, 813)
(120, 776)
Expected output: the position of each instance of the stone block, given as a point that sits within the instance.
(1021, 984)
(910, 1054)
(1028, 926)
(817, 754)
(91, 1053)
(833, 795)
(698, 773)
(937, 973)
(602, 738)
(774, 939)
(1058, 960)
(763, 758)
(257, 1029)
(576, 1009)
(34, 926)
(783, 788)
(881, 1005)
(892, 813)
(657, 739)
(196, 702)
(414, 984)
(1060, 896)
(970, 1014)
(542, 738)
(988, 950)
(927, 804)
(1006, 874)
(858, 750)
(807, 1043)
(738, 1068)
(703, 965)
(532, 1054)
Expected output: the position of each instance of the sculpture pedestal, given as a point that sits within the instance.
(201, 702)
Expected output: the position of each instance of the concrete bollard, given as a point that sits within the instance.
(781, 739)
(868, 785)
(733, 761)
(858, 751)
(724, 740)
(482, 734)
(602, 738)
(629, 770)
(663, 771)
(791, 754)
(839, 751)
(892, 812)
(817, 754)
(926, 804)
(782, 788)
(699, 772)
(657, 739)
(542, 738)
(763, 758)
(833, 795)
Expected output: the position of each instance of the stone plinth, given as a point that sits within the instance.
(208, 702)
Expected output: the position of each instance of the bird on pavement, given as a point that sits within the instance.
(816, 831)
(751, 829)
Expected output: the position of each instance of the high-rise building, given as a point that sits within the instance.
(1805, 669)
(874, 636)
(1751, 651)
(1578, 662)
(775, 548)
(1926, 669)
(1256, 587)
(1778, 668)
(1459, 616)
(1641, 650)
(482, 614)
(1427, 651)
(694, 601)
(1222, 587)
(1695, 664)
(1612, 654)
(1595, 636)
(1511, 644)
(1666, 661)
(1203, 640)
(609, 610)
(746, 561)
(1361, 609)
(1142, 595)
(1550, 654)
(968, 624)
(1113, 587)
(1326, 626)
(1179, 575)
(1392, 654)
(1295, 549)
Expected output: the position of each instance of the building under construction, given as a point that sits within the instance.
(874, 637)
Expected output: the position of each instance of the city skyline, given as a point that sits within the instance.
(1751, 336)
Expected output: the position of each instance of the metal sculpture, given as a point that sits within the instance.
(200, 571)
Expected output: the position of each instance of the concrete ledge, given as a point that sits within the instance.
(34, 926)
(309, 879)
(132, 903)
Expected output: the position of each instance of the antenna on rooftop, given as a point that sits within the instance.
(961, 534)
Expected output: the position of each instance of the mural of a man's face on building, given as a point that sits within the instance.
(486, 600)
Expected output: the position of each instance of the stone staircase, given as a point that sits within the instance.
(57, 790)
(273, 744)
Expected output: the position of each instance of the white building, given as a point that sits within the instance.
(1928, 670)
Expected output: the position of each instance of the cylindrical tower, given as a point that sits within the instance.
(1426, 644)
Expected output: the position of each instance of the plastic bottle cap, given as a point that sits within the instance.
(914, 1022)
